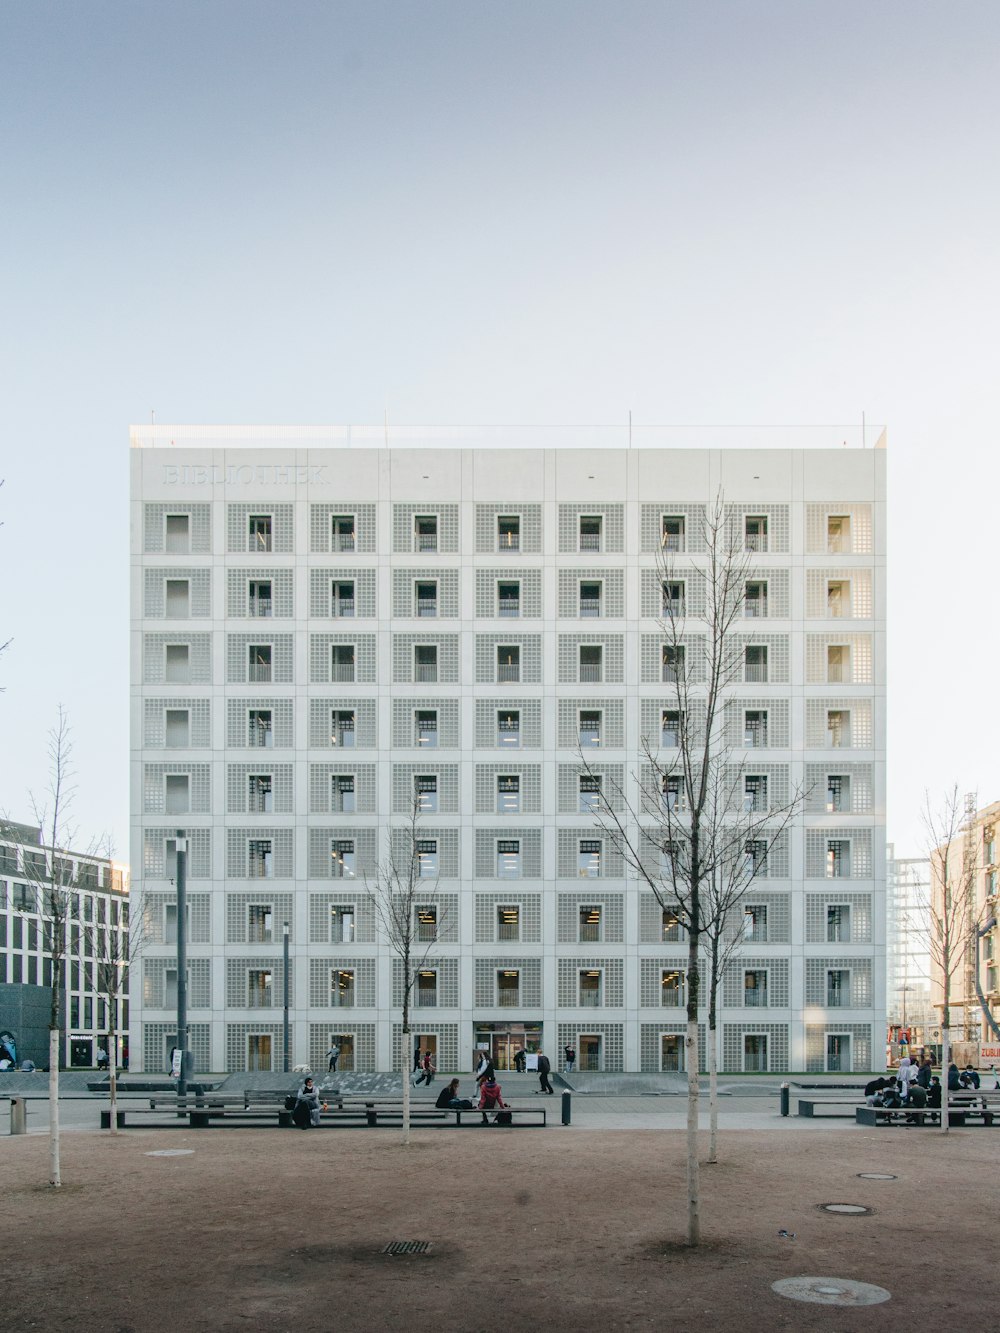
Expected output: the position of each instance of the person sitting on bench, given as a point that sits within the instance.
(934, 1094)
(449, 1100)
(307, 1109)
(490, 1098)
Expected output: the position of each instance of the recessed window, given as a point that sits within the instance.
(671, 860)
(177, 663)
(177, 728)
(670, 728)
(590, 924)
(508, 598)
(259, 532)
(508, 987)
(508, 532)
(755, 856)
(588, 859)
(259, 662)
(671, 988)
(425, 662)
(838, 598)
(755, 793)
(342, 604)
(260, 923)
(508, 662)
(672, 662)
(425, 532)
(342, 532)
(342, 731)
(260, 728)
(590, 532)
(177, 598)
(838, 727)
(260, 794)
(672, 792)
(838, 988)
(590, 793)
(755, 663)
(509, 858)
(590, 728)
(838, 663)
(260, 988)
(591, 662)
(425, 596)
(343, 797)
(670, 928)
(672, 599)
(838, 532)
(755, 532)
(342, 924)
(342, 990)
(425, 786)
(342, 858)
(425, 727)
(755, 600)
(508, 922)
(838, 923)
(755, 923)
(755, 728)
(509, 728)
(426, 915)
(177, 798)
(590, 598)
(673, 532)
(426, 990)
(259, 601)
(509, 794)
(838, 858)
(342, 662)
(428, 865)
(838, 792)
(177, 536)
(755, 989)
(260, 858)
(590, 988)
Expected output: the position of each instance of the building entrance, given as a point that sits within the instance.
(503, 1040)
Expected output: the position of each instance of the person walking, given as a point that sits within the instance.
(544, 1069)
(427, 1071)
(570, 1054)
(332, 1056)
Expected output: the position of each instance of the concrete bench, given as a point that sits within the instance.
(896, 1115)
(521, 1116)
(807, 1106)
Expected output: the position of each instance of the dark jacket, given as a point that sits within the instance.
(924, 1076)
(445, 1097)
(953, 1084)
(543, 1065)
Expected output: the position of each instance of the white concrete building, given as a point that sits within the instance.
(320, 623)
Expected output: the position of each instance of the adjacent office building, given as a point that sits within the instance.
(323, 627)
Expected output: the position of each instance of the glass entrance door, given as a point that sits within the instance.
(504, 1040)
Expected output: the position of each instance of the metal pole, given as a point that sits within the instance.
(182, 961)
(286, 997)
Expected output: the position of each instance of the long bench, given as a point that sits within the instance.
(807, 1106)
(521, 1116)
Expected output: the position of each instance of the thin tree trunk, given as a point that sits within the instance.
(693, 1183)
(945, 1062)
(404, 1045)
(713, 1092)
(113, 1077)
(55, 1177)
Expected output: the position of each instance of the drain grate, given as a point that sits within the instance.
(407, 1247)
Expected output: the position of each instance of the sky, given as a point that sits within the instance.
(705, 213)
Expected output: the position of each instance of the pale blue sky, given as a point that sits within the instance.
(497, 213)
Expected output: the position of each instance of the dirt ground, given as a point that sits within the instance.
(273, 1230)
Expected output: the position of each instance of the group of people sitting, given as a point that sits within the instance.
(916, 1086)
(490, 1098)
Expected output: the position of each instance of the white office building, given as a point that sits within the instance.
(323, 625)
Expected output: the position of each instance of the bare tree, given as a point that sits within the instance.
(682, 832)
(954, 913)
(52, 880)
(116, 945)
(395, 894)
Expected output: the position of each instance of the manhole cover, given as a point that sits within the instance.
(853, 1209)
(830, 1291)
(407, 1247)
(170, 1152)
(876, 1175)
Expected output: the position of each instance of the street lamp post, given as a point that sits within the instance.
(185, 1068)
(285, 933)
